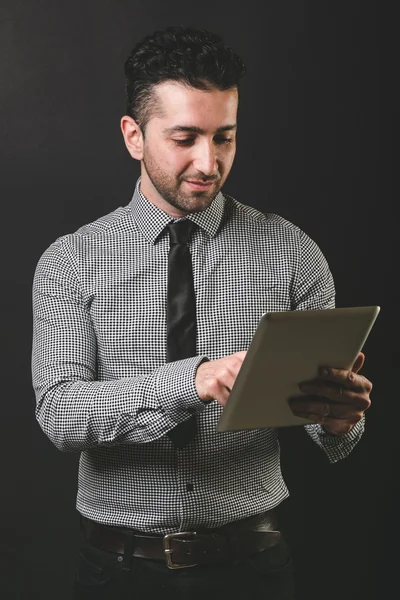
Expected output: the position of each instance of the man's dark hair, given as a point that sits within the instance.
(194, 57)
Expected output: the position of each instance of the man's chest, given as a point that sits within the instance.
(129, 303)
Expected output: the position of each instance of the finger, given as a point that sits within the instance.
(318, 408)
(227, 377)
(220, 382)
(223, 396)
(324, 389)
(358, 363)
(345, 378)
(352, 397)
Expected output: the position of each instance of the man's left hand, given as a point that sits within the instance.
(337, 398)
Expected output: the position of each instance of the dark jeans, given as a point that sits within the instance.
(100, 576)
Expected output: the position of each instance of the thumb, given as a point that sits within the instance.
(358, 363)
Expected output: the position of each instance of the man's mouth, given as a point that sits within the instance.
(200, 185)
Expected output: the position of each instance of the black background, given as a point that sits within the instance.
(315, 144)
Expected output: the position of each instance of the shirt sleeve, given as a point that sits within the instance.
(73, 408)
(315, 289)
(313, 285)
(336, 447)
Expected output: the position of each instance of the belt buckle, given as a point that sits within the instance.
(168, 550)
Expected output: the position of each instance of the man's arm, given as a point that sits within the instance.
(74, 409)
(314, 289)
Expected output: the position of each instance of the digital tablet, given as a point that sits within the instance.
(289, 347)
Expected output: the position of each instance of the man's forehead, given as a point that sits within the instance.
(187, 109)
(173, 96)
(176, 86)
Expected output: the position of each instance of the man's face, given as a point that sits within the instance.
(194, 141)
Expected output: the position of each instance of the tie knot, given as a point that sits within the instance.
(180, 231)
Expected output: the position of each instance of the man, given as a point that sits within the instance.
(159, 489)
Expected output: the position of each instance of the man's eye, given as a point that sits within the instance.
(223, 140)
(185, 142)
(188, 141)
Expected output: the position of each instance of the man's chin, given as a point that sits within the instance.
(195, 203)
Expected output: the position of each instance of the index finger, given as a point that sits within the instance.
(344, 377)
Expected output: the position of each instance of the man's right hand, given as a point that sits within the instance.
(215, 378)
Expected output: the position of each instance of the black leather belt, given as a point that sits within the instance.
(189, 548)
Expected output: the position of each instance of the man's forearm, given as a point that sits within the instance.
(76, 414)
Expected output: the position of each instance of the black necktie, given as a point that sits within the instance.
(181, 313)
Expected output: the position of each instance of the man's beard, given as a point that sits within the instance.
(172, 193)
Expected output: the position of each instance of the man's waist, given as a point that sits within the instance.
(200, 545)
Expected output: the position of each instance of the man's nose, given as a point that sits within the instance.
(205, 160)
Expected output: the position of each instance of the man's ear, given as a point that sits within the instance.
(133, 137)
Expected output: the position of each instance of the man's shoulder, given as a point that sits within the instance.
(100, 229)
(241, 212)
(90, 237)
(112, 221)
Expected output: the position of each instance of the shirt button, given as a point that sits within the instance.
(189, 487)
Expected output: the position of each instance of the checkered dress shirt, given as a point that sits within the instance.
(100, 377)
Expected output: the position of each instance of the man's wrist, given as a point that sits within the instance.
(337, 433)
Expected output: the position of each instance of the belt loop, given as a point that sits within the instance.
(128, 551)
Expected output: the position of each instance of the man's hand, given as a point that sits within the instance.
(215, 378)
(337, 398)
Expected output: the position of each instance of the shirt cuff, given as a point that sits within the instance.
(175, 388)
(336, 447)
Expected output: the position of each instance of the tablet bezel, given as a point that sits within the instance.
(288, 347)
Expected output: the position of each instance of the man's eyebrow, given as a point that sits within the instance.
(194, 129)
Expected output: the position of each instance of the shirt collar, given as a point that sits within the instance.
(151, 220)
